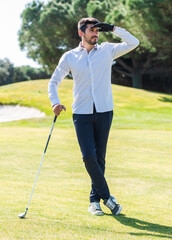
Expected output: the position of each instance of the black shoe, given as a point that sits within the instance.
(113, 205)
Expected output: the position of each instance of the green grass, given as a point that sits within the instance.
(138, 169)
(133, 108)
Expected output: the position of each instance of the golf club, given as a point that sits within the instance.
(22, 215)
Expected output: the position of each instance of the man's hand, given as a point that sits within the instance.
(104, 27)
(57, 108)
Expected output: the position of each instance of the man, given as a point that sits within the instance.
(90, 65)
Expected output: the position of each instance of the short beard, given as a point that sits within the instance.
(90, 42)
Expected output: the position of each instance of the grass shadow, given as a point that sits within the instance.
(151, 235)
(143, 225)
(165, 99)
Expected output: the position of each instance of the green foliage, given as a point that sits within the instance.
(30, 30)
(152, 21)
(51, 30)
(25, 73)
(11, 74)
(6, 71)
(20, 75)
(99, 9)
(48, 30)
(79, 8)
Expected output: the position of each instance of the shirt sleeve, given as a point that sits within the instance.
(128, 44)
(61, 71)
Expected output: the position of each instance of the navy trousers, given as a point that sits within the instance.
(92, 132)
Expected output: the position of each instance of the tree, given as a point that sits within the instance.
(49, 30)
(6, 71)
(25, 73)
(11, 74)
(153, 23)
(20, 75)
(150, 21)
(34, 73)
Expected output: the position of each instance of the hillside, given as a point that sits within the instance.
(138, 169)
(133, 108)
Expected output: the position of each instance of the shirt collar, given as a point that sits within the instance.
(82, 48)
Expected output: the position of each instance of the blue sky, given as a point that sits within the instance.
(10, 23)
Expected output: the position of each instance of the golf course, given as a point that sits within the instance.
(138, 168)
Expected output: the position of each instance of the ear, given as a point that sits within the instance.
(80, 33)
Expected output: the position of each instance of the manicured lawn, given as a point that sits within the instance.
(138, 169)
(133, 108)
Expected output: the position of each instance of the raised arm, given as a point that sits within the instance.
(118, 49)
(128, 44)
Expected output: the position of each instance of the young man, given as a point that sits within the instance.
(90, 64)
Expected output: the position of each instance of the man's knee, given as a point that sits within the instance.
(90, 158)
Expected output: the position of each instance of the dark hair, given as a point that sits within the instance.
(82, 24)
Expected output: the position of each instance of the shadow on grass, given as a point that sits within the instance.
(143, 225)
(151, 235)
(165, 99)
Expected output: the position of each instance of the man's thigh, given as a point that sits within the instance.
(85, 133)
(101, 132)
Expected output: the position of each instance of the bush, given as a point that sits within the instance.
(11, 74)
(6, 71)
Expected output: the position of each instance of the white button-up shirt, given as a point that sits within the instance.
(91, 73)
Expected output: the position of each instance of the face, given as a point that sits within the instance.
(91, 35)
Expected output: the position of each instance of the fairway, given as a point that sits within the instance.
(138, 169)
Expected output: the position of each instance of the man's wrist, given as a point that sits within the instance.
(55, 104)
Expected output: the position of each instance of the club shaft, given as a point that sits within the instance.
(41, 162)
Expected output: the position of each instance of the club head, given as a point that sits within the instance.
(22, 215)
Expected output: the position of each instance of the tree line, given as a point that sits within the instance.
(10, 74)
(48, 30)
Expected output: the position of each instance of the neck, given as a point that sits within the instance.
(87, 46)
